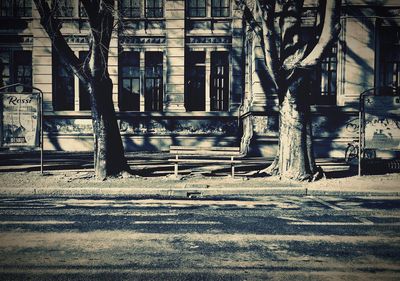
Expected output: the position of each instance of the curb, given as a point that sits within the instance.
(184, 192)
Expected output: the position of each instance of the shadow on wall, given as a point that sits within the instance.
(157, 133)
(333, 126)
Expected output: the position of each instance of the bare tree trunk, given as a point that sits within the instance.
(109, 156)
(295, 153)
(288, 69)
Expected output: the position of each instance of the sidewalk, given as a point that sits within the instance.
(70, 174)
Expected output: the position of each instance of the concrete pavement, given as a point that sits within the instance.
(70, 174)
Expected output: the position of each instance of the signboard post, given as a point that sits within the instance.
(21, 120)
(379, 123)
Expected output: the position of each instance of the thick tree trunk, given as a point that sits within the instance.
(295, 155)
(109, 158)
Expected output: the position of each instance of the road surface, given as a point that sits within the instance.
(275, 237)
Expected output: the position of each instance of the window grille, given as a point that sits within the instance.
(153, 81)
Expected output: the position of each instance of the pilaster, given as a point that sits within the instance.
(175, 55)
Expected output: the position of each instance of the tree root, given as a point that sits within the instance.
(319, 174)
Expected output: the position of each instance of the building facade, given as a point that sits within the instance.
(190, 73)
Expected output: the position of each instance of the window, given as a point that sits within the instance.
(84, 96)
(154, 8)
(153, 96)
(63, 85)
(390, 57)
(130, 8)
(220, 8)
(219, 81)
(15, 67)
(323, 78)
(82, 11)
(195, 81)
(129, 81)
(63, 8)
(323, 82)
(196, 8)
(16, 8)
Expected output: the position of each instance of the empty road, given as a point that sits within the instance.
(254, 238)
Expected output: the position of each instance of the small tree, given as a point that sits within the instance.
(109, 158)
(289, 60)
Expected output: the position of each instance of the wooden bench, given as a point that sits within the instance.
(195, 154)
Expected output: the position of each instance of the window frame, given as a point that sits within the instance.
(219, 83)
(197, 8)
(61, 13)
(14, 9)
(15, 55)
(319, 95)
(81, 10)
(153, 8)
(220, 8)
(387, 48)
(154, 100)
(122, 62)
(84, 96)
(195, 67)
(130, 8)
(56, 71)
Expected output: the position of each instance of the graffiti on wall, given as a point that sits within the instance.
(147, 126)
(68, 126)
(382, 122)
(179, 126)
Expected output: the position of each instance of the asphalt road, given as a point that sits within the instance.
(274, 237)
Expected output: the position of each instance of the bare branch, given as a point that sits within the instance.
(53, 27)
(292, 50)
(329, 34)
(101, 26)
(261, 18)
(269, 35)
(91, 7)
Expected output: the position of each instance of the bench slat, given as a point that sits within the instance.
(204, 148)
(205, 161)
(205, 153)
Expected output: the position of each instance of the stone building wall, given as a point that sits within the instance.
(175, 35)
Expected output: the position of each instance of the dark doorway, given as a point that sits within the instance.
(195, 81)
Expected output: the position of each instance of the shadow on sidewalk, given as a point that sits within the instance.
(152, 164)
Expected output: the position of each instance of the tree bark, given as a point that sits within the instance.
(109, 158)
(295, 157)
(295, 160)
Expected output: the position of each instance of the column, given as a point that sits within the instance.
(175, 55)
(142, 81)
(41, 61)
(208, 79)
